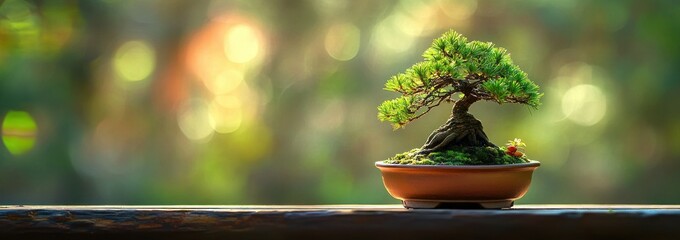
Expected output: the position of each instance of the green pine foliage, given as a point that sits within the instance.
(455, 65)
(458, 156)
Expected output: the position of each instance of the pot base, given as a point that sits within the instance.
(432, 204)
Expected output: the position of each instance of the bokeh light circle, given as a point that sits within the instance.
(134, 61)
(584, 104)
(19, 132)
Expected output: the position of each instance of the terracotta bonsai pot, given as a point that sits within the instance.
(430, 186)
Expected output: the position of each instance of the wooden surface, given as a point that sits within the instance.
(339, 222)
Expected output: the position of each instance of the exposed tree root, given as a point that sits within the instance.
(462, 129)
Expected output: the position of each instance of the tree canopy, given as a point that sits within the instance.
(453, 65)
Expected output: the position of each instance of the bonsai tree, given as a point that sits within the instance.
(462, 72)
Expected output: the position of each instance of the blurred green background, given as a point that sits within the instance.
(274, 102)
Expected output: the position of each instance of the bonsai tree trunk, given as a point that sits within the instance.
(462, 129)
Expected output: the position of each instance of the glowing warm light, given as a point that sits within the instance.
(388, 34)
(584, 104)
(329, 7)
(134, 61)
(228, 101)
(460, 9)
(18, 132)
(226, 114)
(241, 44)
(223, 55)
(225, 82)
(576, 73)
(342, 41)
(408, 24)
(194, 119)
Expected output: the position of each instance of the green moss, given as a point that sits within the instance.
(458, 156)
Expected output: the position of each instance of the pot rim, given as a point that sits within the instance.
(531, 163)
